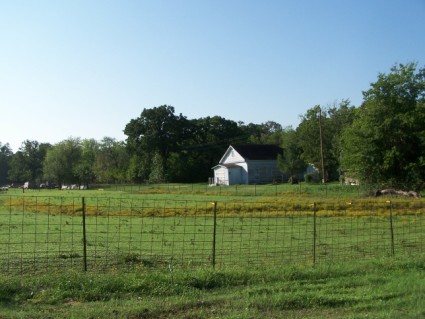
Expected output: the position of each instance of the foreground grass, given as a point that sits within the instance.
(386, 288)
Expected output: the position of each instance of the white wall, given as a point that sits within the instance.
(221, 176)
(232, 157)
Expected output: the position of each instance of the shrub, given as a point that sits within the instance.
(311, 178)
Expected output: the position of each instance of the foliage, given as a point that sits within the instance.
(206, 142)
(157, 173)
(27, 164)
(18, 170)
(333, 121)
(386, 143)
(180, 149)
(110, 161)
(264, 133)
(157, 130)
(290, 162)
(5, 158)
(312, 177)
(62, 162)
(138, 168)
(84, 169)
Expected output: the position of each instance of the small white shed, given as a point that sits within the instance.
(248, 164)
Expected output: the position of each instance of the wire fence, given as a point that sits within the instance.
(91, 233)
(276, 189)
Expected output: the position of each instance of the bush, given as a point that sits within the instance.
(312, 178)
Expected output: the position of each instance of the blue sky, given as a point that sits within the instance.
(86, 68)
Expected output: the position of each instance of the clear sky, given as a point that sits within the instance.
(85, 68)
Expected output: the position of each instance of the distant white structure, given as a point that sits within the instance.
(248, 164)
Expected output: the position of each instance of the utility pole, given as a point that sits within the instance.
(321, 145)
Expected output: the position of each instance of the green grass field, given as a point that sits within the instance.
(40, 232)
(384, 288)
(283, 254)
(44, 229)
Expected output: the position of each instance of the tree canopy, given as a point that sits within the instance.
(385, 145)
(27, 163)
(291, 162)
(165, 146)
(332, 120)
(5, 158)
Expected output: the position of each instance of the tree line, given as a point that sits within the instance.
(381, 143)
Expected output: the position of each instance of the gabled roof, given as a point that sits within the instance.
(227, 166)
(258, 151)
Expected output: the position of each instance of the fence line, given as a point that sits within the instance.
(238, 190)
(46, 233)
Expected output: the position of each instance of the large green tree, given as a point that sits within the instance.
(27, 163)
(5, 158)
(62, 160)
(291, 162)
(156, 132)
(205, 142)
(84, 169)
(168, 146)
(385, 146)
(332, 121)
(264, 133)
(112, 161)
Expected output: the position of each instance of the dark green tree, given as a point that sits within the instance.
(157, 173)
(291, 162)
(341, 116)
(157, 131)
(27, 163)
(139, 168)
(264, 133)
(206, 141)
(84, 169)
(309, 139)
(112, 161)
(5, 158)
(385, 146)
(61, 162)
(333, 120)
(19, 171)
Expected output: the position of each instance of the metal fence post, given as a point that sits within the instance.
(314, 231)
(391, 229)
(84, 234)
(214, 235)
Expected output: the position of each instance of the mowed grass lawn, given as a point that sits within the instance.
(384, 288)
(291, 255)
